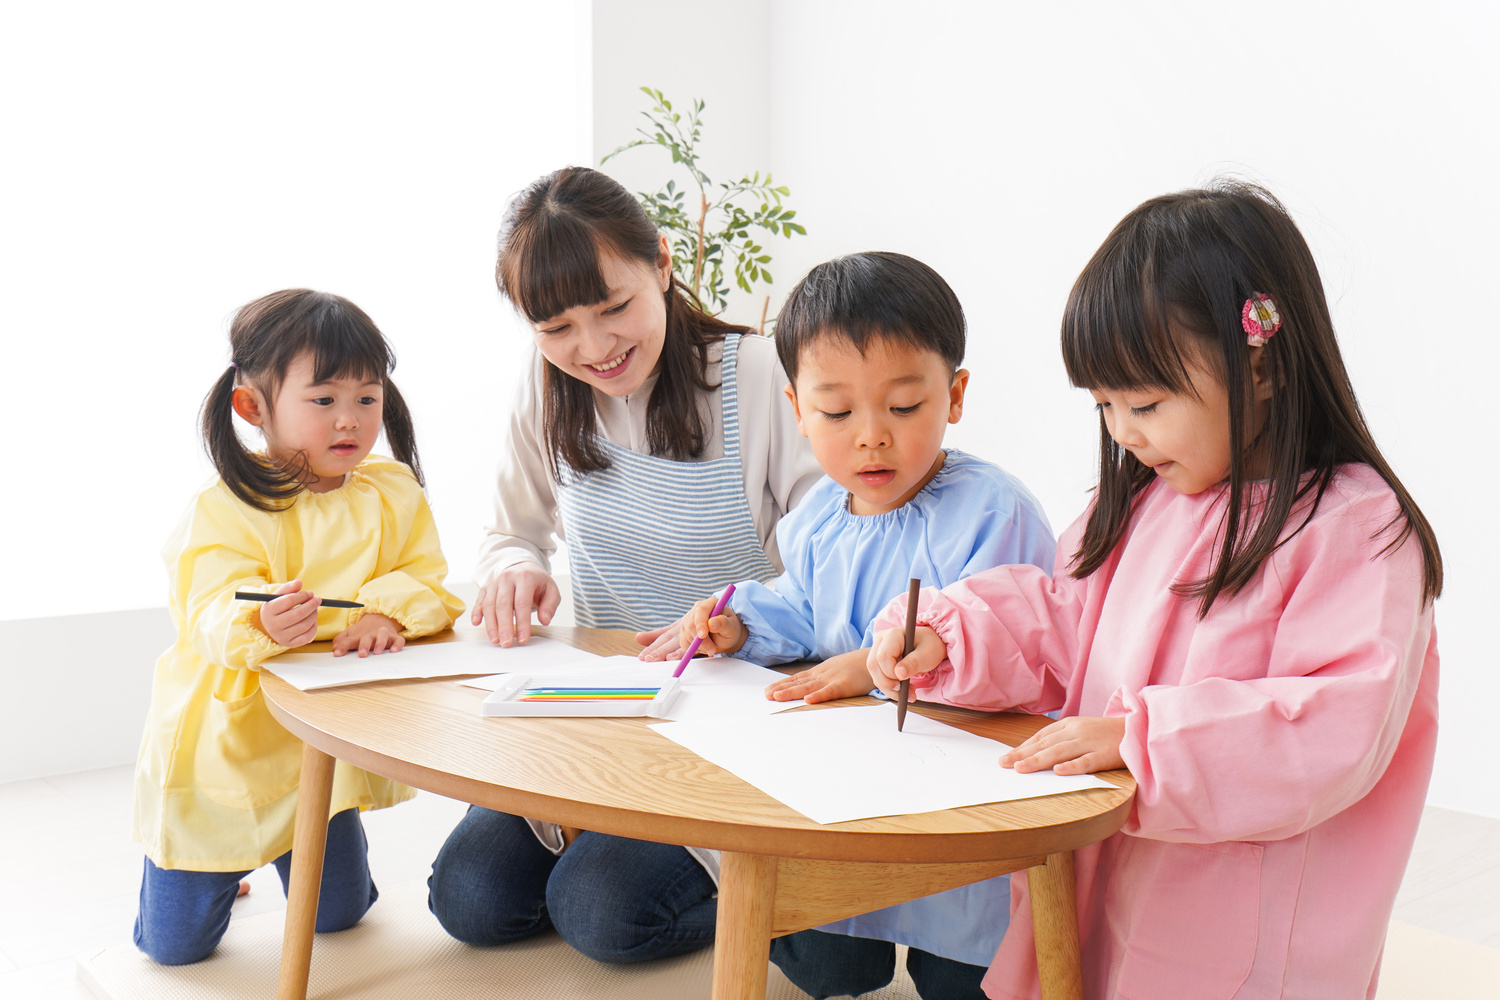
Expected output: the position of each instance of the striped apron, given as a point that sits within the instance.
(649, 537)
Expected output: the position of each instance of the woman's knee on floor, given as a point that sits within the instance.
(489, 881)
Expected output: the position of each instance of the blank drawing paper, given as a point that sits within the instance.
(841, 764)
(311, 671)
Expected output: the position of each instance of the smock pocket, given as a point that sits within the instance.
(1184, 917)
(244, 757)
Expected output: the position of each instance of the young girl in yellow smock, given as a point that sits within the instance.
(315, 514)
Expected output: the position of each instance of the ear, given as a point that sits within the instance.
(249, 405)
(956, 395)
(664, 264)
(791, 394)
(1260, 382)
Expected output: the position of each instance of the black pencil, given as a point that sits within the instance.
(240, 595)
(904, 692)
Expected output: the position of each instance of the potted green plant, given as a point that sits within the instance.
(711, 238)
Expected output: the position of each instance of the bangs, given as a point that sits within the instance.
(345, 345)
(552, 266)
(1117, 330)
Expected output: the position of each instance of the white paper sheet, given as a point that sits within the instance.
(850, 763)
(311, 671)
(712, 688)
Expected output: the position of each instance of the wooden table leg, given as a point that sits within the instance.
(742, 943)
(1054, 915)
(309, 838)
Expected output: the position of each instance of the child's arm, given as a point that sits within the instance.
(1007, 637)
(411, 594)
(216, 551)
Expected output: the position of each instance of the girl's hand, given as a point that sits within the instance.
(1080, 745)
(723, 633)
(371, 634)
(885, 665)
(504, 605)
(663, 643)
(291, 620)
(842, 676)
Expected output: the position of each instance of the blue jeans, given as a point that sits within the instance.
(185, 913)
(836, 965)
(612, 898)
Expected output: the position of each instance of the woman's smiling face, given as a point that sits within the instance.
(613, 345)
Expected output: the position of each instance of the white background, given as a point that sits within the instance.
(173, 167)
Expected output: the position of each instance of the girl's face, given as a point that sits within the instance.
(1184, 438)
(334, 424)
(613, 345)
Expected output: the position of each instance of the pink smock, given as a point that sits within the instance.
(1281, 746)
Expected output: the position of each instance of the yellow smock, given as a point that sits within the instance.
(216, 780)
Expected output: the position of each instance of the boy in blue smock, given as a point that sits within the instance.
(872, 343)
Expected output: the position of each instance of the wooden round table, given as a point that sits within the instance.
(781, 872)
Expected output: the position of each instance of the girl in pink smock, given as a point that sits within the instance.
(1243, 617)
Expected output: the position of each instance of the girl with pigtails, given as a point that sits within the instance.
(312, 514)
(1243, 617)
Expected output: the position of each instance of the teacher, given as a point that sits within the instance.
(655, 440)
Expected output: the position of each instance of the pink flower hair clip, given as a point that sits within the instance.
(1259, 318)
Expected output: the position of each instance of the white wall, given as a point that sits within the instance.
(716, 50)
(168, 162)
(1000, 143)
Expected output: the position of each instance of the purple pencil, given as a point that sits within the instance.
(698, 641)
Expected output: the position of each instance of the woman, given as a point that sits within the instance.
(657, 441)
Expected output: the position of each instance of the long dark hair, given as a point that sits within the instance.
(1168, 285)
(265, 338)
(550, 242)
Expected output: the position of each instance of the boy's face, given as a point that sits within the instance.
(876, 421)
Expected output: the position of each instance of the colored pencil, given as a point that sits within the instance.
(327, 602)
(904, 692)
(698, 641)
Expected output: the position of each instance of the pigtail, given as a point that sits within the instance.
(399, 432)
(248, 476)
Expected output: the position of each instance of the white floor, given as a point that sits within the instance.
(69, 873)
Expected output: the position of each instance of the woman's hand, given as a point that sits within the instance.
(886, 666)
(371, 634)
(842, 676)
(1080, 745)
(290, 620)
(723, 633)
(663, 643)
(504, 605)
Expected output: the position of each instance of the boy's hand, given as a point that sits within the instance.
(371, 634)
(290, 620)
(885, 665)
(505, 604)
(1080, 745)
(842, 676)
(663, 643)
(724, 633)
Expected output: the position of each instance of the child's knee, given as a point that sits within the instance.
(165, 948)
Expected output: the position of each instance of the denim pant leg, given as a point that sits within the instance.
(834, 965)
(622, 900)
(183, 913)
(944, 978)
(347, 891)
(489, 881)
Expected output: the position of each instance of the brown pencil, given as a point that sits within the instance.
(904, 692)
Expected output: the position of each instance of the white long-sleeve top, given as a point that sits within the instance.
(777, 464)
